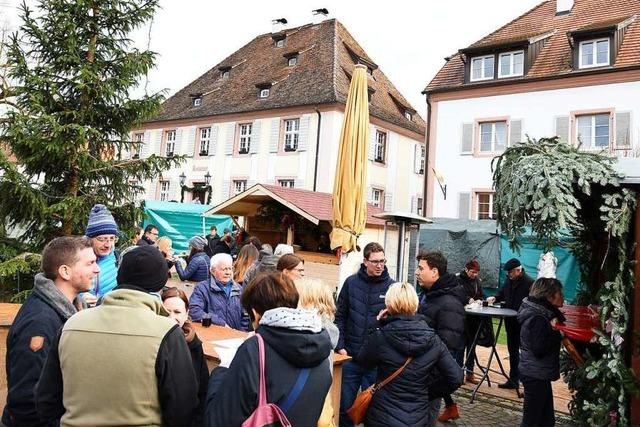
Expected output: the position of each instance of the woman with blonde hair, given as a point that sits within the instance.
(164, 246)
(400, 335)
(247, 255)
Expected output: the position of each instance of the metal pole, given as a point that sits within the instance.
(401, 249)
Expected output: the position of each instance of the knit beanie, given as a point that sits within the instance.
(473, 265)
(511, 264)
(143, 268)
(100, 222)
(198, 242)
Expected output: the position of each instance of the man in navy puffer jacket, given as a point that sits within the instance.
(360, 301)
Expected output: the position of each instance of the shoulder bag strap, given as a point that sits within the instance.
(262, 392)
(296, 390)
(395, 374)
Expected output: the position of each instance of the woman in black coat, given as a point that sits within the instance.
(540, 350)
(472, 291)
(401, 334)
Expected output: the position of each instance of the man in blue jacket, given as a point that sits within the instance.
(360, 301)
(69, 267)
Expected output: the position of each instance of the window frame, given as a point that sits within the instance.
(476, 204)
(170, 143)
(380, 202)
(478, 135)
(197, 101)
(595, 63)
(592, 114)
(512, 73)
(279, 43)
(293, 132)
(246, 137)
(287, 183)
(163, 193)
(423, 159)
(202, 153)
(380, 147)
(483, 58)
(408, 115)
(234, 186)
(294, 59)
(138, 139)
(264, 93)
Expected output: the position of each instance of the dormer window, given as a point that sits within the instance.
(264, 93)
(225, 72)
(408, 115)
(197, 101)
(292, 61)
(280, 43)
(594, 53)
(482, 68)
(511, 64)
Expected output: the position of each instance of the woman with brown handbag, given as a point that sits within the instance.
(404, 336)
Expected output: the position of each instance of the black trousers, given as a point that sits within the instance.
(458, 356)
(538, 403)
(512, 327)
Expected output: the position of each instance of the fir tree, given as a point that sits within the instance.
(67, 140)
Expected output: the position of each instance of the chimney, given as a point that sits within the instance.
(278, 25)
(563, 7)
(319, 15)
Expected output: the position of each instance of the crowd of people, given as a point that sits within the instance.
(102, 340)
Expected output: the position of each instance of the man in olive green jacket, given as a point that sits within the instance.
(124, 362)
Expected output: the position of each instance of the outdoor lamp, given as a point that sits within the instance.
(183, 178)
(207, 178)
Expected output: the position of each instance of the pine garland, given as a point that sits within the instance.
(558, 190)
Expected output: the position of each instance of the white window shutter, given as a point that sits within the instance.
(179, 144)
(173, 190)
(303, 139)
(369, 194)
(226, 190)
(274, 137)
(515, 132)
(464, 205)
(254, 148)
(145, 150)
(372, 143)
(414, 204)
(157, 141)
(299, 184)
(562, 128)
(231, 134)
(623, 130)
(213, 143)
(388, 201)
(466, 140)
(416, 158)
(190, 141)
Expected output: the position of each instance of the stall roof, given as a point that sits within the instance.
(312, 205)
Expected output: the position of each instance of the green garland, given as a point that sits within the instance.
(196, 187)
(558, 190)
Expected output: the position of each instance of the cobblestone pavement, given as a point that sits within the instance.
(492, 411)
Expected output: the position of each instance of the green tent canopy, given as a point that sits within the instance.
(181, 221)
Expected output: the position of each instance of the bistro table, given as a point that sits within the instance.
(213, 333)
(491, 313)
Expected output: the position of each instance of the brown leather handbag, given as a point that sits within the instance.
(359, 408)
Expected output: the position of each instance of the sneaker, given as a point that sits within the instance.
(471, 379)
(509, 385)
(449, 413)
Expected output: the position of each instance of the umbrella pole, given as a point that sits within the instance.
(203, 227)
(343, 272)
(401, 250)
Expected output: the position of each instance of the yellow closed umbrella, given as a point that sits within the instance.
(349, 198)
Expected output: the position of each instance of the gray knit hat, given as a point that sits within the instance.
(198, 242)
(101, 222)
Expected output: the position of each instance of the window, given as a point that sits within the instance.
(292, 61)
(244, 144)
(380, 147)
(225, 74)
(594, 53)
(423, 155)
(482, 68)
(286, 183)
(408, 115)
(593, 131)
(485, 208)
(205, 138)
(493, 137)
(279, 42)
(377, 198)
(419, 206)
(138, 138)
(511, 64)
(197, 101)
(164, 191)
(239, 186)
(291, 134)
(264, 93)
(171, 143)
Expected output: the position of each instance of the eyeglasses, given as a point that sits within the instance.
(102, 239)
(377, 261)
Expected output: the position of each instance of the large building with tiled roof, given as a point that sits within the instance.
(565, 68)
(271, 113)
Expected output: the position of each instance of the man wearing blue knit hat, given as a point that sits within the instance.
(103, 231)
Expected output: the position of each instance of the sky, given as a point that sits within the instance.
(407, 39)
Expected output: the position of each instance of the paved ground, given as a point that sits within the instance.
(490, 410)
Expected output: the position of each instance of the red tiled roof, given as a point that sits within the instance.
(318, 204)
(324, 51)
(555, 57)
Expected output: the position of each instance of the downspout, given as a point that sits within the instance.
(315, 169)
(425, 191)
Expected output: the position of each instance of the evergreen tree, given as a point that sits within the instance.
(67, 142)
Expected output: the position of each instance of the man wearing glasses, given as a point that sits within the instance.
(150, 236)
(103, 232)
(360, 301)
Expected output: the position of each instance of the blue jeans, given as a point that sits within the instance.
(354, 378)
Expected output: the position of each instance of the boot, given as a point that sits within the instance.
(449, 413)
(471, 378)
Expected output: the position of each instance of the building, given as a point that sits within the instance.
(271, 113)
(564, 68)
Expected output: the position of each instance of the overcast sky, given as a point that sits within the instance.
(408, 39)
